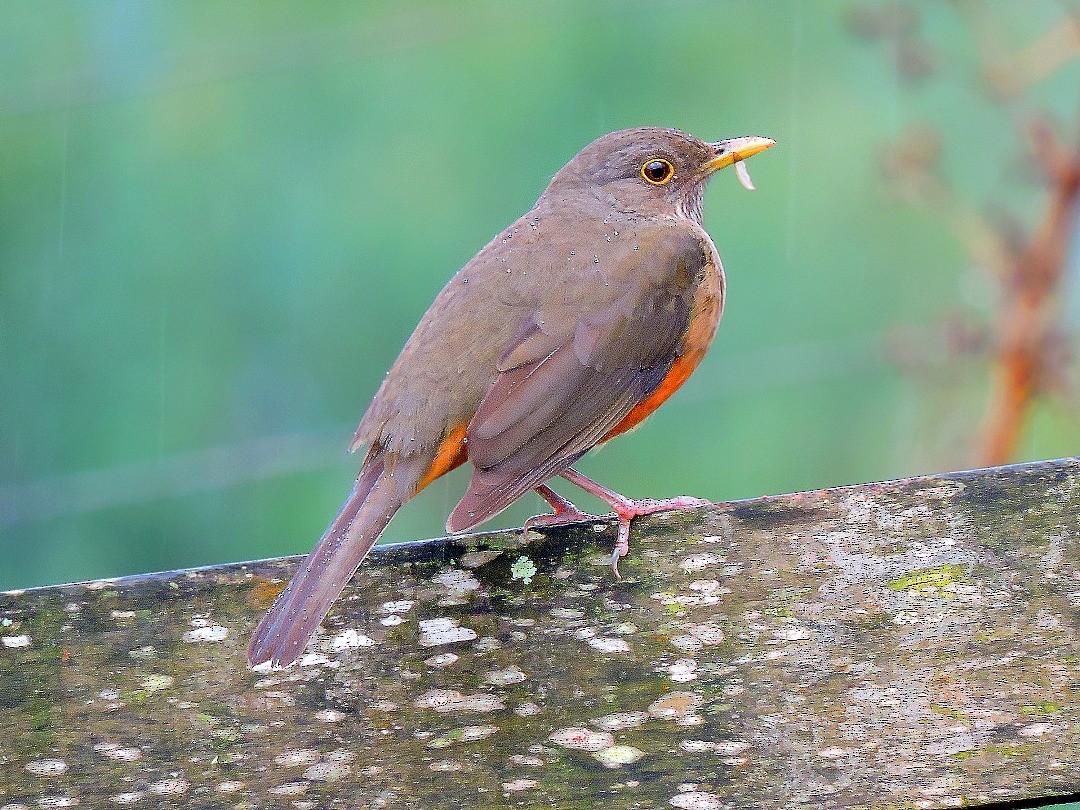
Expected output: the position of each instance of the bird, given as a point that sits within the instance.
(567, 329)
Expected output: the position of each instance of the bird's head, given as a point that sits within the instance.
(650, 170)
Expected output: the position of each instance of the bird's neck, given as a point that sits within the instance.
(691, 203)
(601, 205)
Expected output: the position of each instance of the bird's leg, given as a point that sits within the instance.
(627, 509)
(565, 512)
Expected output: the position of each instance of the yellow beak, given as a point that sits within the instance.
(736, 149)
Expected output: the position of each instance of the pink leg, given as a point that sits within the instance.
(626, 509)
(565, 512)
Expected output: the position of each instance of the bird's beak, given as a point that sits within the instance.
(735, 149)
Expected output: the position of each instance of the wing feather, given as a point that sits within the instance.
(567, 392)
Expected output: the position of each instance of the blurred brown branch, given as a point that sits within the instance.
(1030, 342)
(1027, 344)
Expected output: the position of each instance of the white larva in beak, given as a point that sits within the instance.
(744, 175)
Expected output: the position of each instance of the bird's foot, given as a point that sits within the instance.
(565, 511)
(627, 509)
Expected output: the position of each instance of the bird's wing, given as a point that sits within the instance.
(570, 376)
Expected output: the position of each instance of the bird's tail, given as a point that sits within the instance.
(299, 610)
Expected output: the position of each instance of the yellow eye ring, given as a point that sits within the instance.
(657, 171)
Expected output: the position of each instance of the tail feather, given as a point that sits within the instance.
(299, 610)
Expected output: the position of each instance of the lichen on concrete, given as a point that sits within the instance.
(905, 644)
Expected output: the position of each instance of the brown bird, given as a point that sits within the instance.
(569, 328)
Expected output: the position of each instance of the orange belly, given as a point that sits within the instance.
(708, 304)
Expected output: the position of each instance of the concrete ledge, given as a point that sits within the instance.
(906, 644)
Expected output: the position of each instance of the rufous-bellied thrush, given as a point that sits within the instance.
(570, 327)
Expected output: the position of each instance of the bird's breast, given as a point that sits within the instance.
(707, 307)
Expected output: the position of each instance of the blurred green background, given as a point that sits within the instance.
(220, 222)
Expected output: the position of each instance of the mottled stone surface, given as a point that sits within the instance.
(908, 644)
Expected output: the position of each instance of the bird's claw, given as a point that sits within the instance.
(680, 503)
(622, 545)
(557, 519)
(627, 510)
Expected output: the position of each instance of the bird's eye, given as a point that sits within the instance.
(657, 171)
